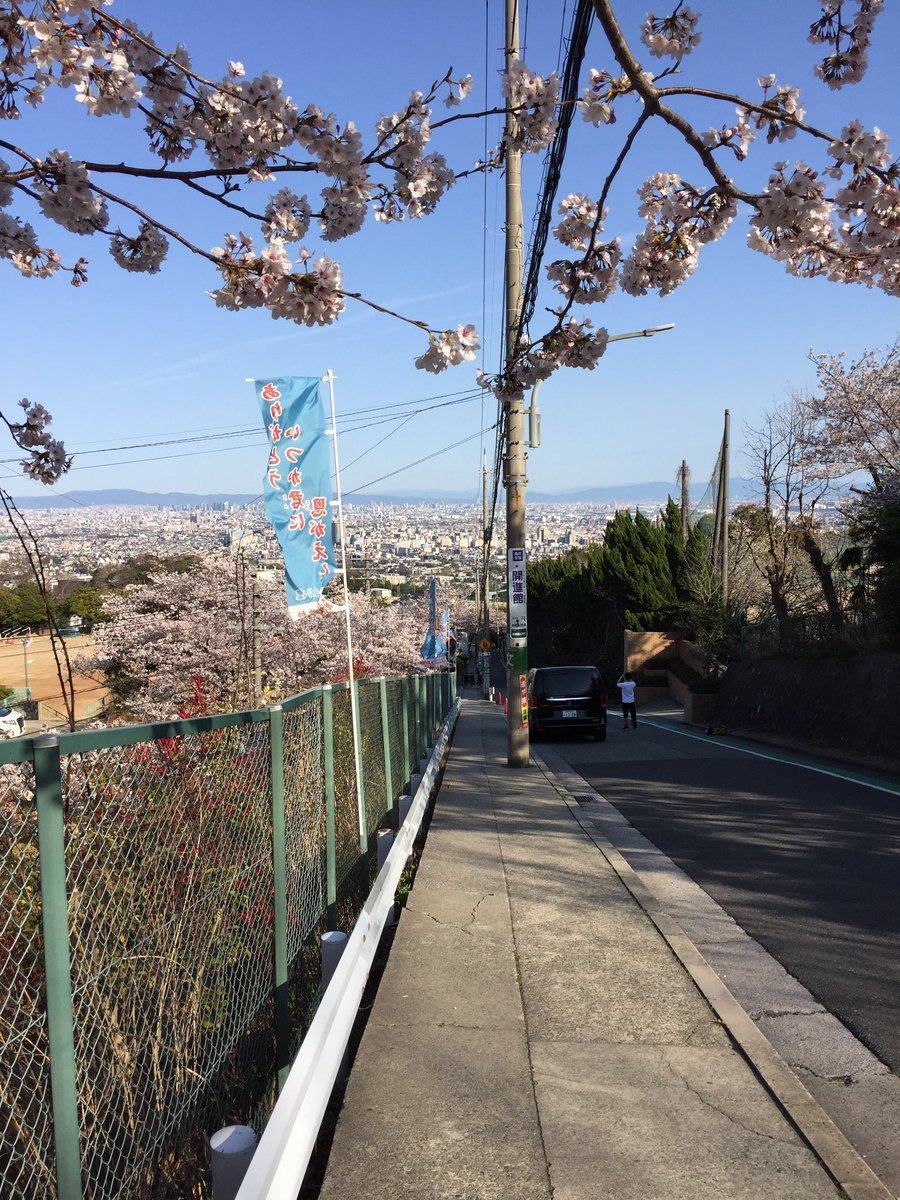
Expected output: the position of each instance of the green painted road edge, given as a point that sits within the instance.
(846, 1166)
(869, 781)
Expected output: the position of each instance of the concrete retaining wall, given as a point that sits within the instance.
(848, 704)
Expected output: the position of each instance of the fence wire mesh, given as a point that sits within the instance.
(171, 879)
(27, 1158)
(395, 736)
(372, 754)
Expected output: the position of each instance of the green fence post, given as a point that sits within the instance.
(404, 709)
(330, 852)
(355, 697)
(279, 875)
(57, 965)
(423, 683)
(389, 793)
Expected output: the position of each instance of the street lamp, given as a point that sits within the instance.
(534, 413)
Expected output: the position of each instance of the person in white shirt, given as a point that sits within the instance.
(626, 686)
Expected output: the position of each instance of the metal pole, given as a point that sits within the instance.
(279, 889)
(390, 794)
(257, 639)
(515, 481)
(57, 965)
(330, 850)
(404, 732)
(725, 453)
(26, 642)
(354, 699)
(485, 655)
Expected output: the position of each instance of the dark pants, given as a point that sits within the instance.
(629, 710)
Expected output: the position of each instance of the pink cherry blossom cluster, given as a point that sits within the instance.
(672, 36)
(534, 99)
(144, 252)
(850, 40)
(854, 238)
(592, 278)
(449, 348)
(571, 344)
(680, 219)
(267, 279)
(596, 99)
(47, 459)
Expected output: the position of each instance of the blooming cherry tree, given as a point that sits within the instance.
(159, 638)
(833, 211)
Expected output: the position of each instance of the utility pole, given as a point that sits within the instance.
(485, 613)
(514, 462)
(724, 482)
(684, 480)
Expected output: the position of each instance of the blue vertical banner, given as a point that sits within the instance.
(297, 489)
(428, 646)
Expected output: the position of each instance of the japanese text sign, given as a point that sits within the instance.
(518, 599)
(297, 487)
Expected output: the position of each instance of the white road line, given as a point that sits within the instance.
(891, 788)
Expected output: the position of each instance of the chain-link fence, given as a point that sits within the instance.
(163, 891)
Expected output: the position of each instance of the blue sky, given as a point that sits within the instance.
(139, 359)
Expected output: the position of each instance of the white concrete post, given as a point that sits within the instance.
(384, 843)
(231, 1150)
(333, 944)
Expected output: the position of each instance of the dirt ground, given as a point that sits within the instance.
(42, 677)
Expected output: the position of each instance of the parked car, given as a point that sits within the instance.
(12, 722)
(566, 698)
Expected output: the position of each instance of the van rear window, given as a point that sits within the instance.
(568, 681)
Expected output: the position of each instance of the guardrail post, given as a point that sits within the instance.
(279, 879)
(57, 965)
(390, 794)
(330, 851)
(404, 710)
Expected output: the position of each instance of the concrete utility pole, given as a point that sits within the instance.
(485, 613)
(514, 462)
(724, 483)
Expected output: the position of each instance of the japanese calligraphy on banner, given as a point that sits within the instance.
(297, 489)
(518, 599)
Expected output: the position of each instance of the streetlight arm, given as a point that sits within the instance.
(621, 337)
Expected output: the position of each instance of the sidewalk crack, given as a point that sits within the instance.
(732, 1120)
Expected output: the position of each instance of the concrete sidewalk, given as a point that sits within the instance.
(534, 1036)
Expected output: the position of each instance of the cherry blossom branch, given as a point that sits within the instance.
(145, 216)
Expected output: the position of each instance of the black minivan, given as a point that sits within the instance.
(566, 698)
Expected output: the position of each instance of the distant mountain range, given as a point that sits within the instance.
(654, 492)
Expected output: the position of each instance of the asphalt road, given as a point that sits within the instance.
(808, 864)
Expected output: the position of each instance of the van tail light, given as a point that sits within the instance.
(532, 701)
(603, 699)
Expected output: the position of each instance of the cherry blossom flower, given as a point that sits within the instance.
(449, 348)
(534, 99)
(672, 36)
(143, 252)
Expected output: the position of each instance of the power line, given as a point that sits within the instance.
(419, 461)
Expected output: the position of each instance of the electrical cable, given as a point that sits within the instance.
(418, 461)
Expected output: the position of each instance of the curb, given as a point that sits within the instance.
(844, 1164)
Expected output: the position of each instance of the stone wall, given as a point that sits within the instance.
(847, 704)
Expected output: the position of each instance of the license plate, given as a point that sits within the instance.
(570, 712)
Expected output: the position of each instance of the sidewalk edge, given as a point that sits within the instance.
(843, 1163)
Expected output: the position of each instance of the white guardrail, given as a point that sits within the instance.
(279, 1164)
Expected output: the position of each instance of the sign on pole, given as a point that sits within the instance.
(518, 599)
(297, 488)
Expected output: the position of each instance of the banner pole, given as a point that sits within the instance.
(354, 700)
